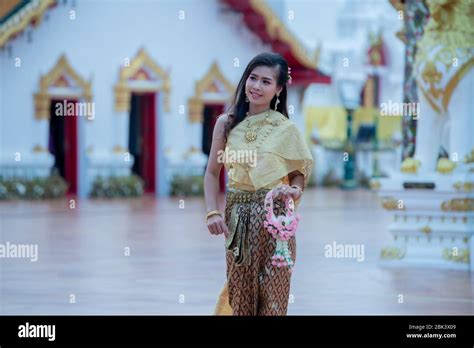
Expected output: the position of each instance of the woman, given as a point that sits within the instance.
(262, 150)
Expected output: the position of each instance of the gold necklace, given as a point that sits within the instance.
(251, 133)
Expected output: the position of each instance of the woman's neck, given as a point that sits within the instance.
(257, 109)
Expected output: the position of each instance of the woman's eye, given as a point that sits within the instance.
(252, 78)
(267, 83)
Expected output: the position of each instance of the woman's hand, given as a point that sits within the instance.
(284, 191)
(216, 225)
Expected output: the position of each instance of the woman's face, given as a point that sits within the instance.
(261, 85)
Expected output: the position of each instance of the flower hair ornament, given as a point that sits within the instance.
(289, 76)
(282, 228)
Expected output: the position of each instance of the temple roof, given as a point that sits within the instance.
(9, 7)
(17, 15)
(263, 22)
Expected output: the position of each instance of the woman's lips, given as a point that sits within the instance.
(255, 95)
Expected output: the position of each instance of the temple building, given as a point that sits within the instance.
(139, 98)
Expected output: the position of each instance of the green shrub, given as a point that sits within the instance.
(53, 186)
(117, 187)
(191, 185)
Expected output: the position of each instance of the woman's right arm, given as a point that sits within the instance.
(215, 224)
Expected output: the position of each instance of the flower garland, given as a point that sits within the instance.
(282, 228)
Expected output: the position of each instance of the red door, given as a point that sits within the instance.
(217, 109)
(63, 141)
(70, 151)
(148, 143)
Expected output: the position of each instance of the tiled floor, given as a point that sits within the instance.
(175, 266)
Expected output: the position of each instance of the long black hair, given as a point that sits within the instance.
(239, 107)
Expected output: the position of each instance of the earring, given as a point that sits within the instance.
(276, 103)
(246, 99)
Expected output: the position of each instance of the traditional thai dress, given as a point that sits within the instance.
(260, 153)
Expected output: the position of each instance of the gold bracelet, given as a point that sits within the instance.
(212, 213)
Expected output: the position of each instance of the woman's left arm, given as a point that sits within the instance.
(295, 179)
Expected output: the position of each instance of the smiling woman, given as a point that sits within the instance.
(261, 88)
(258, 122)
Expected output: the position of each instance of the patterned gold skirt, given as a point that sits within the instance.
(254, 286)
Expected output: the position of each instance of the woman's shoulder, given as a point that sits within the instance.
(223, 118)
(283, 120)
(285, 127)
(222, 124)
(280, 117)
